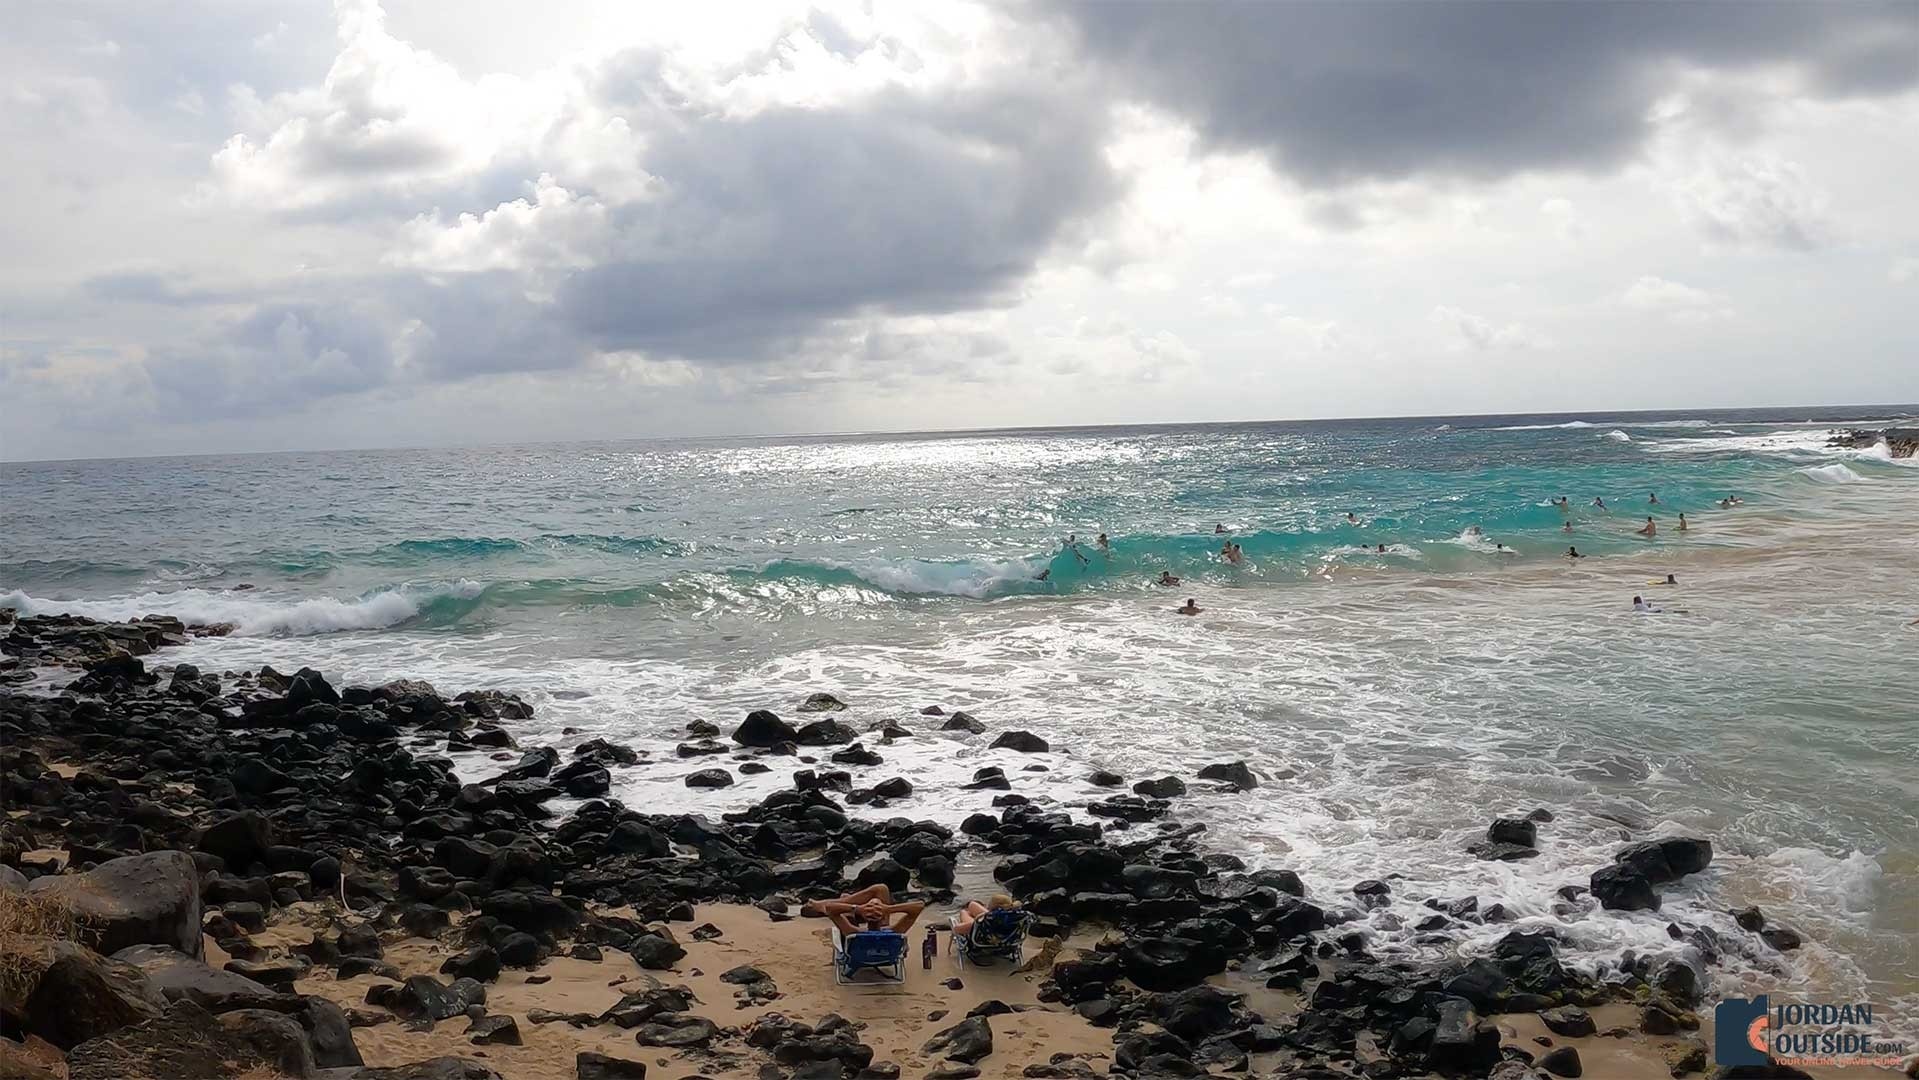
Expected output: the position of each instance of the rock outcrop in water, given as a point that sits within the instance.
(247, 793)
(1901, 442)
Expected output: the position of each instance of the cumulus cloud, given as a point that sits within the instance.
(388, 119)
(1338, 93)
(721, 214)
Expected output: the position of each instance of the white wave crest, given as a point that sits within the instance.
(1617, 435)
(976, 580)
(252, 617)
(1543, 427)
(1840, 886)
(1832, 474)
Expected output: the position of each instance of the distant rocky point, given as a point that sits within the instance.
(1903, 442)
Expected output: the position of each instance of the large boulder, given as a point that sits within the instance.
(1235, 773)
(151, 899)
(176, 975)
(66, 994)
(1667, 859)
(1169, 963)
(1023, 741)
(1619, 887)
(276, 1038)
(827, 732)
(188, 1041)
(762, 728)
(240, 839)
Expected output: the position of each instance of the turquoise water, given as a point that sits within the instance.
(1405, 697)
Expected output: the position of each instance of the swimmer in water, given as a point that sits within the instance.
(1601, 503)
(1682, 523)
(1166, 577)
(1649, 530)
(1472, 530)
(1565, 504)
(1234, 555)
(1103, 545)
(1352, 518)
(1639, 604)
(1044, 574)
(1226, 550)
(1191, 607)
(1381, 549)
(1652, 498)
(1671, 580)
(1573, 553)
(1567, 527)
(1503, 550)
(1219, 530)
(1072, 545)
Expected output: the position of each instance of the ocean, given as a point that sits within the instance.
(1394, 701)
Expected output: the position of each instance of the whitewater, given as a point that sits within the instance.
(1396, 699)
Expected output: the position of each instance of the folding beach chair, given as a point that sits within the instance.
(883, 951)
(997, 935)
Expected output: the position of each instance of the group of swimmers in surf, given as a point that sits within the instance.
(1232, 554)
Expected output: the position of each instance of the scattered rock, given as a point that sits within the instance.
(1562, 1061)
(1023, 741)
(969, 1040)
(1236, 773)
(1165, 787)
(1571, 1021)
(591, 1066)
(493, 1030)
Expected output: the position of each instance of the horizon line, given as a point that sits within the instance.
(1905, 409)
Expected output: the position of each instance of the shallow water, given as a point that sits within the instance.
(1396, 701)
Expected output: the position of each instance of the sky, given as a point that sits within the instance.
(234, 226)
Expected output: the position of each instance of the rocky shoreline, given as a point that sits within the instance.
(1900, 442)
(171, 816)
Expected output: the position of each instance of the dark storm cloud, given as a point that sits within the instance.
(778, 221)
(1342, 92)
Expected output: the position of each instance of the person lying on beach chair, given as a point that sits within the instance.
(990, 931)
(869, 931)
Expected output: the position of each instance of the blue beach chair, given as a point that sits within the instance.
(999, 934)
(883, 951)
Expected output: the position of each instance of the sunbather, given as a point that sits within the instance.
(963, 923)
(871, 908)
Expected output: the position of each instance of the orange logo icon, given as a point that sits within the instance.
(1756, 1034)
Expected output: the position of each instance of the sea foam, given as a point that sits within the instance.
(259, 617)
(1832, 474)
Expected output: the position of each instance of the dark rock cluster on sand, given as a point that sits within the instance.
(209, 800)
